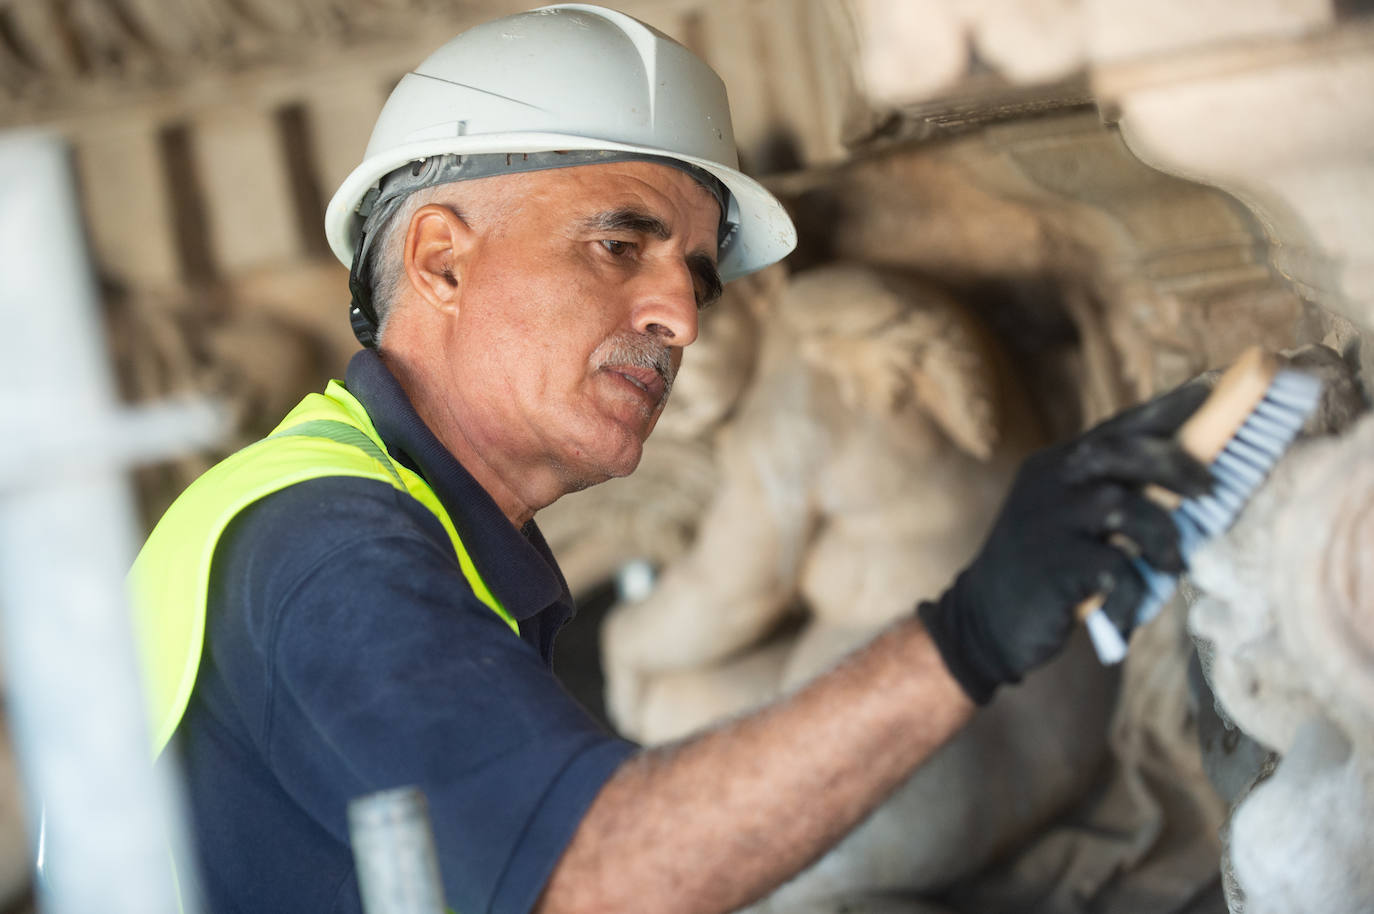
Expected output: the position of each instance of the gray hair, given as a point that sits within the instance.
(386, 266)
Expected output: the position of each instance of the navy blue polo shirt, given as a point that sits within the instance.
(345, 653)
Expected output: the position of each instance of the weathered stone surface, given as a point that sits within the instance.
(1123, 29)
(859, 473)
(1056, 221)
(909, 49)
(340, 123)
(1029, 40)
(1287, 601)
(785, 64)
(241, 168)
(1197, 85)
(1299, 180)
(123, 186)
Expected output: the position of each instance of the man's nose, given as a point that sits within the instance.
(666, 304)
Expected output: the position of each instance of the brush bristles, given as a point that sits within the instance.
(1238, 471)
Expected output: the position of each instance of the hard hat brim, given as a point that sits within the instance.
(765, 234)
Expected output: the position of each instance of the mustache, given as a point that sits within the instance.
(638, 351)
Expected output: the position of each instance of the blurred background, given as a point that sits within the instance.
(1016, 217)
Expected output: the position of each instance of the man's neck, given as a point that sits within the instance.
(442, 415)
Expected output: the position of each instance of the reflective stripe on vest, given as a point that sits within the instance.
(327, 434)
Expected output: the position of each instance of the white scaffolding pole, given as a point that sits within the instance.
(67, 534)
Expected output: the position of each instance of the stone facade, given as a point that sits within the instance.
(1116, 196)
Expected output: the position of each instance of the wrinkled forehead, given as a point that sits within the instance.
(671, 201)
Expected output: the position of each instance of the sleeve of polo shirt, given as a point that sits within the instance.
(385, 670)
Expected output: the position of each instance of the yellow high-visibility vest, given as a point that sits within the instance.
(327, 434)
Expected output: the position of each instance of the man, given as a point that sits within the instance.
(363, 600)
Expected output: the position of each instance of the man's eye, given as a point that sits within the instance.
(617, 248)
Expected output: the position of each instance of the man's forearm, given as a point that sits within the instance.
(718, 820)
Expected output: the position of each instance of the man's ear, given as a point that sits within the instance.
(438, 241)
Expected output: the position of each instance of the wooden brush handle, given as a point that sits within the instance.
(1239, 390)
(1208, 430)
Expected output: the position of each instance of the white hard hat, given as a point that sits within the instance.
(567, 77)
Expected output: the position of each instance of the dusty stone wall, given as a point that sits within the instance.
(1263, 100)
(994, 151)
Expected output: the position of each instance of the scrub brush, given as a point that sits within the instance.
(1240, 432)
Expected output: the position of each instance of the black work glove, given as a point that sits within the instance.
(1014, 607)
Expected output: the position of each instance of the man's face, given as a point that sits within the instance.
(575, 307)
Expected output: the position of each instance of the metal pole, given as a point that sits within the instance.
(67, 534)
(393, 849)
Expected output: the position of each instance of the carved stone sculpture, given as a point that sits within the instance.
(860, 472)
(1286, 621)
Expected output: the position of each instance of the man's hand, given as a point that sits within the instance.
(1049, 549)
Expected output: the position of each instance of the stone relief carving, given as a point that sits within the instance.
(1160, 279)
(1140, 277)
(848, 405)
(860, 471)
(1194, 89)
(1284, 616)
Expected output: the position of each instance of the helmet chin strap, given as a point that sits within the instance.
(382, 202)
(361, 315)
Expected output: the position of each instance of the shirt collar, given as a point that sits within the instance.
(516, 564)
